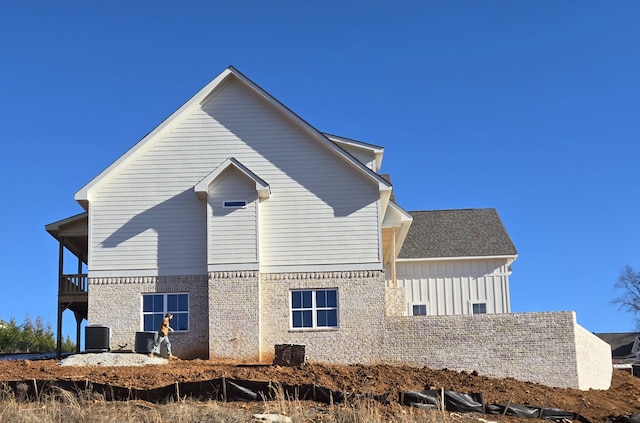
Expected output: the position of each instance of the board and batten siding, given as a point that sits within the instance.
(146, 218)
(233, 232)
(449, 287)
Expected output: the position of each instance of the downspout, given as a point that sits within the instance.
(78, 320)
(393, 261)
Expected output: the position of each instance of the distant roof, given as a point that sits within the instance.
(457, 233)
(621, 343)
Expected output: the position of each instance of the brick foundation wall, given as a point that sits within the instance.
(394, 301)
(361, 302)
(234, 316)
(117, 303)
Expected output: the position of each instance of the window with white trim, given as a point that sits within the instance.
(419, 310)
(314, 308)
(478, 308)
(155, 306)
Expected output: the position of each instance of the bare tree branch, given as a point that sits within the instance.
(629, 283)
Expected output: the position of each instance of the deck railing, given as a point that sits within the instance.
(72, 284)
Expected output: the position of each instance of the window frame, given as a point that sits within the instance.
(426, 309)
(165, 300)
(314, 310)
(472, 305)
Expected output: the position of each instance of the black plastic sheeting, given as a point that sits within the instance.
(634, 418)
(454, 401)
(223, 389)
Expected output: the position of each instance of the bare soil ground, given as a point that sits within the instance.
(623, 398)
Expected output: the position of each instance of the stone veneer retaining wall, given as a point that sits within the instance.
(117, 303)
(546, 348)
(592, 372)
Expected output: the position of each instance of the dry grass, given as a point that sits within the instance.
(62, 406)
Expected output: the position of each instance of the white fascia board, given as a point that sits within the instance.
(232, 267)
(55, 226)
(314, 268)
(202, 188)
(396, 216)
(400, 221)
(124, 273)
(385, 199)
(510, 259)
(376, 150)
(83, 196)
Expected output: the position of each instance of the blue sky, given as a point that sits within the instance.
(529, 107)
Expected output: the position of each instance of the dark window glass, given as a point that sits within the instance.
(322, 318)
(332, 318)
(419, 310)
(321, 299)
(152, 322)
(307, 299)
(172, 303)
(302, 319)
(148, 322)
(183, 302)
(180, 321)
(327, 318)
(296, 299)
(332, 298)
(480, 308)
(147, 303)
(158, 303)
(235, 204)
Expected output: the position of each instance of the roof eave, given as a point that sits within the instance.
(376, 150)
(509, 257)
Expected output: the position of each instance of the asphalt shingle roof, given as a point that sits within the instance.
(621, 343)
(457, 233)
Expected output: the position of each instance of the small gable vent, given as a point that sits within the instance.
(234, 204)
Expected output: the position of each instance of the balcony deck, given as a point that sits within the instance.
(73, 293)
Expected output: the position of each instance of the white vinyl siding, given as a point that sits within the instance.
(146, 215)
(365, 157)
(233, 236)
(135, 234)
(448, 287)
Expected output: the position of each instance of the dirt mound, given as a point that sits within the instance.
(623, 398)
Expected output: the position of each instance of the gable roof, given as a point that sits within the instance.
(457, 233)
(202, 187)
(376, 150)
(73, 233)
(206, 93)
